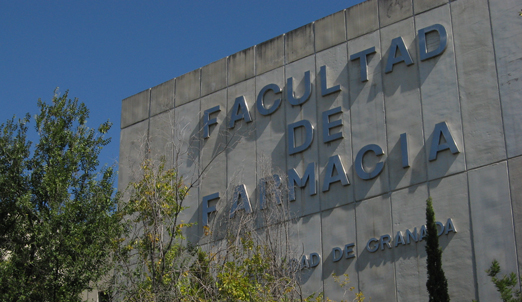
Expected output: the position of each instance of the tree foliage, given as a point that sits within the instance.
(437, 284)
(505, 285)
(154, 262)
(56, 208)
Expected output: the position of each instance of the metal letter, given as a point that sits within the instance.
(326, 91)
(206, 209)
(309, 136)
(440, 228)
(385, 240)
(399, 239)
(261, 96)
(334, 165)
(327, 125)
(450, 227)
(304, 262)
(359, 168)
(315, 259)
(348, 251)
(290, 90)
(207, 121)
(240, 201)
(397, 43)
(239, 112)
(404, 150)
(423, 233)
(411, 235)
(442, 129)
(295, 179)
(337, 251)
(423, 47)
(362, 55)
(372, 249)
(262, 190)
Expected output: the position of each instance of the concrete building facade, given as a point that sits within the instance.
(380, 105)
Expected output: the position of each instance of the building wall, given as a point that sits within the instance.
(473, 87)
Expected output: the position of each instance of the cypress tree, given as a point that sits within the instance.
(437, 284)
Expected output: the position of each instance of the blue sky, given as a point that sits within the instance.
(105, 51)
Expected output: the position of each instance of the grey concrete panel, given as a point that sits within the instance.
(270, 137)
(440, 99)
(187, 87)
(423, 5)
(241, 65)
(241, 149)
(391, 11)
(368, 114)
(330, 31)
(213, 76)
(362, 18)
(162, 137)
(409, 213)
(493, 233)
(335, 234)
(162, 97)
(403, 109)
(186, 137)
(135, 108)
(270, 54)
(478, 89)
(213, 162)
(376, 270)
(132, 153)
(271, 129)
(336, 60)
(515, 175)
(304, 203)
(299, 43)
(306, 235)
(507, 38)
(450, 200)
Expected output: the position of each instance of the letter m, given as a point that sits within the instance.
(294, 179)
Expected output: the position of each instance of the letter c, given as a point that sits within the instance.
(260, 100)
(359, 168)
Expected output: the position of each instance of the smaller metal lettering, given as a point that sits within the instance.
(399, 239)
(385, 241)
(337, 254)
(374, 248)
(348, 250)
(412, 235)
(450, 227)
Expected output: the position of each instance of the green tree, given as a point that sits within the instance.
(155, 263)
(57, 209)
(505, 285)
(437, 284)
